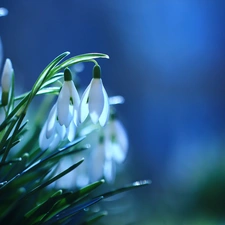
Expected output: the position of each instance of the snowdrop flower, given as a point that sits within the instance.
(111, 149)
(94, 101)
(68, 101)
(62, 119)
(104, 164)
(115, 144)
(116, 140)
(6, 81)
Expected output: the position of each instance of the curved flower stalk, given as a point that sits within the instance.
(62, 119)
(94, 101)
(6, 81)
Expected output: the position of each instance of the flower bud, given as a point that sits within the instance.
(6, 81)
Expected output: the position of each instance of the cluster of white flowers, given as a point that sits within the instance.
(69, 111)
(109, 142)
(111, 149)
(109, 146)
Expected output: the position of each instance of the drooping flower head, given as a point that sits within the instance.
(6, 81)
(62, 119)
(116, 139)
(68, 101)
(94, 101)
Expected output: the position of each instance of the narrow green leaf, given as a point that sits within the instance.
(42, 78)
(38, 212)
(87, 189)
(72, 211)
(8, 147)
(95, 218)
(11, 96)
(13, 144)
(55, 178)
(40, 162)
(73, 198)
(48, 90)
(11, 161)
(53, 79)
(13, 113)
(134, 185)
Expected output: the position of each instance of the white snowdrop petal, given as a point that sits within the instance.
(63, 109)
(118, 154)
(109, 171)
(74, 94)
(55, 142)
(69, 116)
(83, 109)
(50, 128)
(122, 137)
(105, 113)
(108, 147)
(75, 117)
(96, 100)
(98, 158)
(44, 142)
(7, 76)
(76, 102)
(71, 131)
(61, 130)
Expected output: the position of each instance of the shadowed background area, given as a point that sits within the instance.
(167, 58)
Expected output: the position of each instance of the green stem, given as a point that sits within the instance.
(4, 138)
(14, 112)
(8, 147)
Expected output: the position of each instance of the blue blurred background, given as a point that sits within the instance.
(167, 58)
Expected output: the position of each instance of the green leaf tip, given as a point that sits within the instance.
(106, 56)
(67, 74)
(97, 72)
